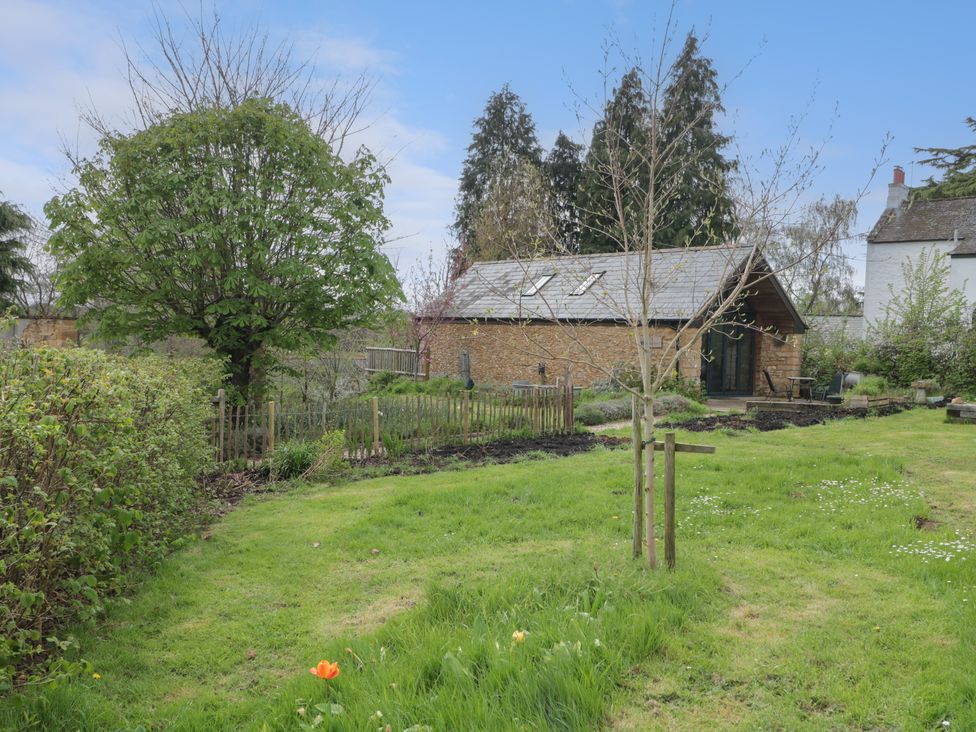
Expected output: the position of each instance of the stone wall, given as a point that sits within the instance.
(57, 332)
(780, 353)
(501, 353)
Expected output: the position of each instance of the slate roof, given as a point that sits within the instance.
(687, 279)
(937, 220)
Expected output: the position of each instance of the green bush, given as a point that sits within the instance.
(385, 382)
(589, 414)
(871, 386)
(98, 459)
(291, 459)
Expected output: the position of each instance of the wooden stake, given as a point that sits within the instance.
(669, 499)
(271, 426)
(638, 477)
(221, 409)
(466, 417)
(649, 490)
(376, 425)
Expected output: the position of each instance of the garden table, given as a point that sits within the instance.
(804, 383)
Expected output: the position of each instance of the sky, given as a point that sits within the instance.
(855, 73)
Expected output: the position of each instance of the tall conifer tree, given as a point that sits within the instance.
(698, 208)
(564, 170)
(504, 138)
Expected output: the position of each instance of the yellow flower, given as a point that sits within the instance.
(96, 676)
(518, 636)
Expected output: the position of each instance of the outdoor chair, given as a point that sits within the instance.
(775, 391)
(835, 388)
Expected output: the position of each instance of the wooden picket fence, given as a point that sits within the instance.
(386, 427)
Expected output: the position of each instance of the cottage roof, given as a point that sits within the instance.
(601, 286)
(936, 220)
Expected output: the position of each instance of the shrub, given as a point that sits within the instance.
(671, 403)
(291, 459)
(98, 458)
(385, 382)
(614, 410)
(589, 414)
(871, 386)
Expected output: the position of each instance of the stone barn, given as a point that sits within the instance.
(526, 320)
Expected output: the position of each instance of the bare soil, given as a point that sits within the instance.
(768, 421)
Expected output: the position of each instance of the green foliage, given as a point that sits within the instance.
(563, 167)
(619, 139)
(239, 226)
(504, 137)
(871, 386)
(699, 208)
(291, 459)
(14, 223)
(386, 382)
(98, 456)
(589, 414)
(825, 353)
(958, 168)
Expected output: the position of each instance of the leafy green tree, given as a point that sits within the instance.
(14, 265)
(237, 225)
(504, 138)
(564, 170)
(699, 206)
(616, 159)
(958, 167)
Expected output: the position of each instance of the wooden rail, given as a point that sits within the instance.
(386, 427)
(402, 361)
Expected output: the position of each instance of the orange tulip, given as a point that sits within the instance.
(325, 670)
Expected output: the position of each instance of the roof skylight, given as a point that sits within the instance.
(587, 283)
(537, 285)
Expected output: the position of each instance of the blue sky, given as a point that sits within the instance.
(858, 70)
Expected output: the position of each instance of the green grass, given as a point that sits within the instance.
(804, 599)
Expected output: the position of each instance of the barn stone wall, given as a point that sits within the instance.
(501, 353)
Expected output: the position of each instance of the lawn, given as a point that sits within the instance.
(805, 598)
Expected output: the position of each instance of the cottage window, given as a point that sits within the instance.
(587, 283)
(537, 285)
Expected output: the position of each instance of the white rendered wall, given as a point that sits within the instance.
(963, 277)
(883, 267)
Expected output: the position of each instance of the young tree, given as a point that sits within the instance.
(958, 167)
(504, 140)
(37, 293)
(821, 281)
(640, 170)
(617, 139)
(564, 169)
(238, 225)
(699, 210)
(430, 293)
(15, 226)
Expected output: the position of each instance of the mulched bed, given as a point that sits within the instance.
(769, 421)
(499, 451)
(220, 492)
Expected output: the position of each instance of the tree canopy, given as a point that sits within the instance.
(504, 138)
(237, 225)
(14, 264)
(699, 208)
(563, 168)
(958, 168)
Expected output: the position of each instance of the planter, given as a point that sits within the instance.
(962, 413)
(861, 401)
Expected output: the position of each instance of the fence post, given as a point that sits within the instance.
(376, 425)
(271, 426)
(637, 440)
(221, 408)
(466, 416)
(669, 499)
(570, 414)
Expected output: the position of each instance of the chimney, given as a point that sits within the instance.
(897, 190)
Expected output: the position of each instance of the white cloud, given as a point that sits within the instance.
(56, 58)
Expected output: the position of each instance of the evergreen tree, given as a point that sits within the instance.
(958, 166)
(614, 153)
(504, 137)
(564, 170)
(697, 208)
(14, 225)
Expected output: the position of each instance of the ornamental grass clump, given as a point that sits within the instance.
(98, 460)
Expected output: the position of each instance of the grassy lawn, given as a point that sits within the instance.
(805, 598)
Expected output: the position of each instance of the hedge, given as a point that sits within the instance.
(98, 459)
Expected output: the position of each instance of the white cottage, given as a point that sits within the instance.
(907, 228)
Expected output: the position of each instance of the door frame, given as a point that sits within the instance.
(745, 358)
